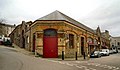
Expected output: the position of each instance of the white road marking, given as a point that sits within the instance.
(61, 62)
(100, 65)
(55, 61)
(117, 68)
(69, 64)
(78, 66)
(85, 67)
(109, 67)
(114, 67)
(77, 61)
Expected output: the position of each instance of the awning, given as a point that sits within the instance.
(92, 44)
(104, 46)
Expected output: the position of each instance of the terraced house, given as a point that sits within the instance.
(6, 29)
(56, 32)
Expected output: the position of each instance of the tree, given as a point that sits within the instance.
(2, 20)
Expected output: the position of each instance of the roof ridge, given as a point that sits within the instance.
(57, 15)
(76, 21)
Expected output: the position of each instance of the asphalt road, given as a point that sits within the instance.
(12, 59)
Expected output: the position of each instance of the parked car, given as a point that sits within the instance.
(111, 51)
(105, 52)
(95, 54)
(7, 41)
(115, 49)
(118, 49)
(1, 41)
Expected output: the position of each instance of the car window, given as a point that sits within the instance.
(96, 52)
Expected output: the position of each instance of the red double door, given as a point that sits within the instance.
(50, 45)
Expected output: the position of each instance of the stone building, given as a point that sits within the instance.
(114, 41)
(56, 32)
(18, 34)
(6, 29)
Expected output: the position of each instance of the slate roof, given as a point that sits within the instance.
(56, 15)
(3, 24)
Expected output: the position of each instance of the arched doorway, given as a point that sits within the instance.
(50, 43)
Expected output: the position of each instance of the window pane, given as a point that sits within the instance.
(50, 32)
(71, 40)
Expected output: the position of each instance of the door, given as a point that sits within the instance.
(23, 39)
(33, 50)
(50, 44)
(82, 45)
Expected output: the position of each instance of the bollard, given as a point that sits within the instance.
(76, 55)
(62, 55)
(84, 55)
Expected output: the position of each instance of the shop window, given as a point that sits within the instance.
(71, 41)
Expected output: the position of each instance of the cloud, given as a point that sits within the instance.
(107, 17)
(105, 13)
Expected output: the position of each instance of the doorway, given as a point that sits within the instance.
(50, 43)
(23, 39)
(82, 45)
(34, 40)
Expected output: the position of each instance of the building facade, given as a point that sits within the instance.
(6, 29)
(115, 42)
(54, 33)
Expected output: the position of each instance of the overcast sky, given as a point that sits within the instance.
(92, 13)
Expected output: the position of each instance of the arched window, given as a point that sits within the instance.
(71, 41)
(50, 32)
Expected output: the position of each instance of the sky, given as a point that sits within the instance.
(92, 13)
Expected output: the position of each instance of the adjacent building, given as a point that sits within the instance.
(55, 33)
(6, 29)
(115, 42)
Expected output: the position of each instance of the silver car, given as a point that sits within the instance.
(105, 52)
(95, 54)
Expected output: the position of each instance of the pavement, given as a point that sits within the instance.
(26, 52)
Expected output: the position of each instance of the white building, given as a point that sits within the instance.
(6, 29)
(115, 42)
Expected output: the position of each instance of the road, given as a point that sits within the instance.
(11, 59)
(111, 62)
